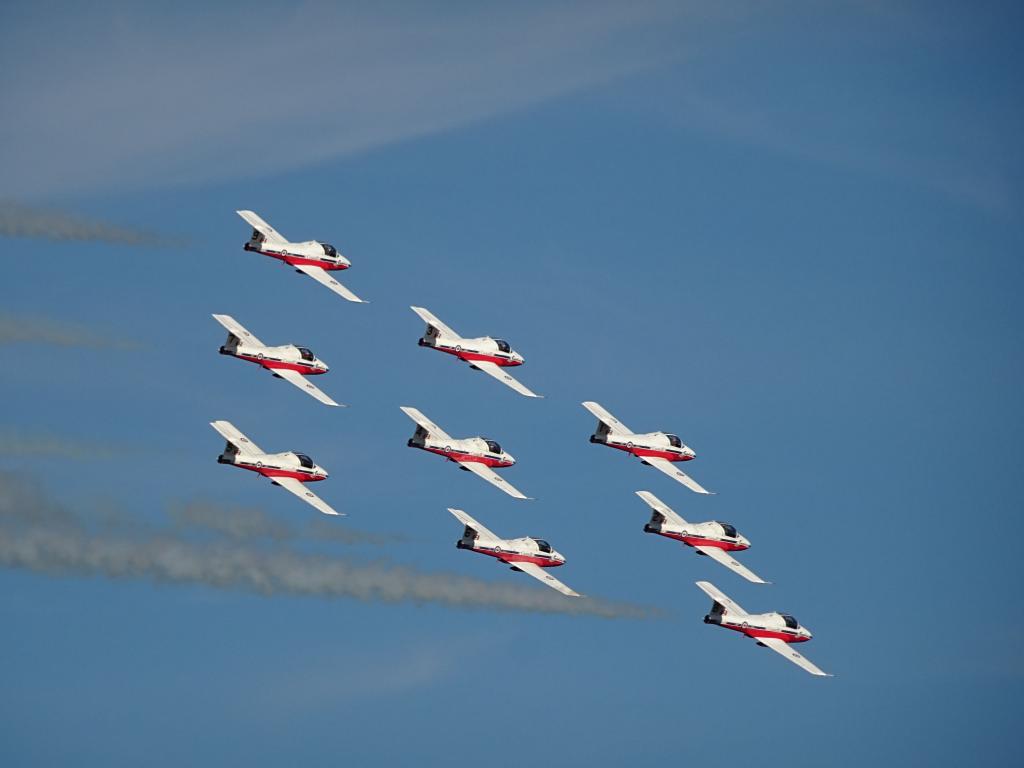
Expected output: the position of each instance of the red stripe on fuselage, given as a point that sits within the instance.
(757, 632)
(512, 558)
(640, 451)
(460, 456)
(470, 356)
(697, 541)
(295, 261)
(305, 370)
(278, 472)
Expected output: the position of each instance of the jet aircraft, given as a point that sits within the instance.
(655, 449)
(492, 356)
(287, 362)
(287, 470)
(311, 257)
(527, 555)
(712, 539)
(473, 454)
(771, 630)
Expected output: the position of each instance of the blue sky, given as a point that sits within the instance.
(791, 236)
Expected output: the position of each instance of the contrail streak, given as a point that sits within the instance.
(38, 535)
(18, 220)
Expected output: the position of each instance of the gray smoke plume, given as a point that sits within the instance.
(21, 445)
(251, 523)
(38, 535)
(18, 220)
(16, 329)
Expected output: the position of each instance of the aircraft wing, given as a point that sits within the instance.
(469, 522)
(604, 417)
(292, 485)
(785, 650)
(430, 318)
(492, 477)
(730, 562)
(542, 575)
(237, 329)
(661, 508)
(262, 227)
(296, 378)
(230, 433)
(498, 373)
(670, 469)
(427, 424)
(321, 276)
(721, 598)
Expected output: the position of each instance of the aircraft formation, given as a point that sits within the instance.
(482, 456)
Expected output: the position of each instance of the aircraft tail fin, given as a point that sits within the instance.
(722, 603)
(435, 327)
(261, 230)
(606, 423)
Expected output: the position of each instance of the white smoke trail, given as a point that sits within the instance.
(38, 535)
(15, 329)
(21, 445)
(18, 220)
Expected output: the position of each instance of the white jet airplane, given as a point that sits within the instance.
(287, 470)
(771, 630)
(483, 354)
(311, 257)
(526, 555)
(286, 362)
(474, 454)
(655, 449)
(712, 539)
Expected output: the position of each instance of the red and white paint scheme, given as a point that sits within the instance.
(771, 630)
(712, 539)
(474, 454)
(311, 257)
(287, 470)
(485, 354)
(655, 449)
(527, 555)
(286, 362)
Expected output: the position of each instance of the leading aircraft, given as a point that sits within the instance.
(485, 354)
(527, 555)
(771, 630)
(311, 257)
(712, 539)
(287, 470)
(655, 449)
(286, 362)
(473, 454)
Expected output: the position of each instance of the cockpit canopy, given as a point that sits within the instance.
(329, 249)
(542, 545)
(790, 621)
(503, 345)
(674, 441)
(730, 530)
(304, 460)
(306, 354)
(492, 446)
